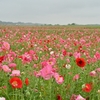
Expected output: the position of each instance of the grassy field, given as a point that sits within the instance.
(50, 63)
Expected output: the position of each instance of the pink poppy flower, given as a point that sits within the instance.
(44, 63)
(93, 73)
(26, 58)
(10, 57)
(37, 74)
(15, 73)
(97, 55)
(68, 60)
(98, 69)
(59, 79)
(77, 55)
(47, 72)
(76, 77)
(6, 68)
(51, 61)
(82, 41)
(35, 65)
(62, 41)
(12, 65)
(31, 52)
(5, 46)
(79, 97)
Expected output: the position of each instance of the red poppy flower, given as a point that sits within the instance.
(16, 82)
(59, 97)
(80, 62)
(87, 87)
(1, 59)
(27, 81)
(64, 52)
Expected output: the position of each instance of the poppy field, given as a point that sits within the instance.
(49, 63)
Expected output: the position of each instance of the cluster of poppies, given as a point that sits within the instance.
(51, 56)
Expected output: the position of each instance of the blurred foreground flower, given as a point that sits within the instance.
(2, 98)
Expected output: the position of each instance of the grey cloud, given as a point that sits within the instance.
(50, 11)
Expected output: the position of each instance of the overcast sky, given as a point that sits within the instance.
(51, 11)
